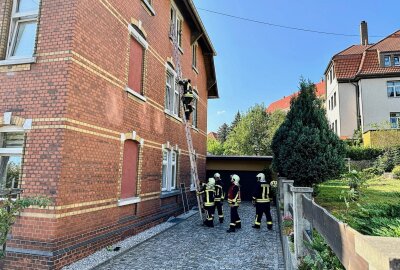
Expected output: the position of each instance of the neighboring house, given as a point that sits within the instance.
(284, 103)
(212, 136)
(363, 86)
(90, 117)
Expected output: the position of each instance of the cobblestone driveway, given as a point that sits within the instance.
(191, 246)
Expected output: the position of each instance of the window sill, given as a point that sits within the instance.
(137, 95)
(128, 201)
(195, 128)
(149, 7)
(172, 115)
(195, 69)
(167, 194)
(17, 61)
(180, 49)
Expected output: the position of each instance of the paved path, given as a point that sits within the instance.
(191, 246)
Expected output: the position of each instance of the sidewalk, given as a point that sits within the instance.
(189, 245)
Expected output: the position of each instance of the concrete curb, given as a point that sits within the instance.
(103, 256)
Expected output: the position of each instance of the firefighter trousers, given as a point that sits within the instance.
(209, 211)
(218, 205)
(235, 219)
(263, 208)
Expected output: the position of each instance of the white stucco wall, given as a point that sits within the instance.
(347, 109)
(376, 105)
(332, 115)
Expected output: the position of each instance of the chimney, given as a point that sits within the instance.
(364, 33)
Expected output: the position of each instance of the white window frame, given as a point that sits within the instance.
(397, 120)
(172, 107)
(169, 179)
(384, 60)
(177, 25)
(16, 19)
(11, 152)
(398, 60)
(195, 102)
(194, 55)
(394, 88)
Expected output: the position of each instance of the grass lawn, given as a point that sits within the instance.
(379, 190)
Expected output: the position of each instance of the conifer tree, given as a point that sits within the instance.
(305, 149)
(235, 121)
(223, 132)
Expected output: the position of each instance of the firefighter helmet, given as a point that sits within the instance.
(261, 177)
(236, 179)
(217, 175)
(211, 182)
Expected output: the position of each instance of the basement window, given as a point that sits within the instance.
(395, 119)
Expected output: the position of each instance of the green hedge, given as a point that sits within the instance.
(396, 171)
(363, 153)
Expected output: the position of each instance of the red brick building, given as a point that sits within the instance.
(90, 117)
(284, 103)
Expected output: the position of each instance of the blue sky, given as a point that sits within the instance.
(258, 63)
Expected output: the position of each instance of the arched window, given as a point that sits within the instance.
(130, 169)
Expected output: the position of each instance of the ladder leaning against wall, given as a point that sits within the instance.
(192, 154)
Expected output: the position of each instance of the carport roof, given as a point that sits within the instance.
(211, 157)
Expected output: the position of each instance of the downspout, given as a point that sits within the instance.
(357, 87)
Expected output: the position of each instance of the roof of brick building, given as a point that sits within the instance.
(284, 103)
(359, 60)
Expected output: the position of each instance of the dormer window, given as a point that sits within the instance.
(396, 60)
(387, 61)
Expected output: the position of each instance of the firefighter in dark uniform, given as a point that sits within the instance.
(187, 97)
(234, 201)
(208, 192)
(261, 200)
(219, 196)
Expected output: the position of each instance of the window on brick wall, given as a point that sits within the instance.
(172, 100)
(176, 24)
(194, 55)
(130, 169)
(11, 147)
(23, 26)
(137, 48)
(169, 169)
(194, 113)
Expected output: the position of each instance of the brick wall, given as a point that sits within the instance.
(75, 94)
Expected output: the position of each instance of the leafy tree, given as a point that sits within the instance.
(249, 136)
(275, 120)
(215, 147)
(223, 132)
(305, 149)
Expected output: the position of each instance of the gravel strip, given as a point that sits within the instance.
(104, 255)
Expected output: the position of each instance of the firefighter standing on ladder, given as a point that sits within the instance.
(219, 196)
(234, 201)
(208, 191)
(261, 200)
(187, 97)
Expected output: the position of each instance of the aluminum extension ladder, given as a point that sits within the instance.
(192, 154)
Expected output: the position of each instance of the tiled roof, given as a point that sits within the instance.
(359, 60)
(212, 136)
(284, 103)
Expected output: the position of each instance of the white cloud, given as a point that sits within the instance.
(221, 112)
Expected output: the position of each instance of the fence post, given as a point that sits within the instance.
(300, 224)
(286, 196)
(280, 186)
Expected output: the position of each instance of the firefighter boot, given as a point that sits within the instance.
(255, 226)
(269, 225)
